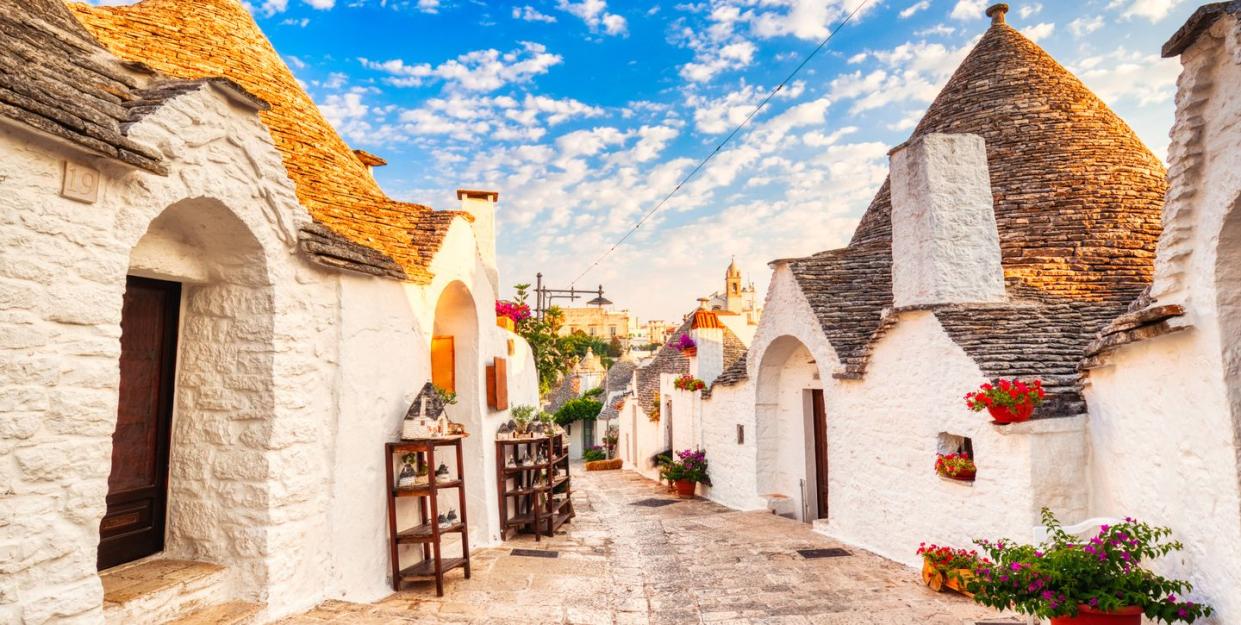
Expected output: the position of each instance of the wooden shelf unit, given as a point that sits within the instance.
(428, 533)
(525, 507)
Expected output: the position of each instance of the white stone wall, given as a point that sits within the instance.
(731, 464)
(290, 377)
(1164, 413)
(641, 438)
(63, 267)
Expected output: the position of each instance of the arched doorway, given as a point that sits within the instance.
(792, 429)
(191, 452)
(455, 349)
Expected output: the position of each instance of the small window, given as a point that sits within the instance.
(954, 458)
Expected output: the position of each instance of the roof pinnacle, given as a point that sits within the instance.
(997, 12)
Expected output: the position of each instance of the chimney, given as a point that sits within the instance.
(945, 246)
(997, 12)
(708, 335)
(370, 161)
(482, 206)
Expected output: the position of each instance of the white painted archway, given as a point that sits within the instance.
(456, 317)
(787, 373)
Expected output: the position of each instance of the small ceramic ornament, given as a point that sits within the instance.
(442, 519)
(504, 432)
(442, 471)
(441, 425)
(452, 516)
(511, 462)
(418, 424)
(408, 477)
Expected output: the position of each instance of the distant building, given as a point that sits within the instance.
(658, 332)
(600, 322)
(736, 298)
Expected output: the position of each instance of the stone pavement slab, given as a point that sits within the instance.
(691, 562)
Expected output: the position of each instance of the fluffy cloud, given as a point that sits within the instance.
(1153, 10)
(1121, 76)
(480, 70)
(1085, 25)
(969, 9)
(530, 14)
(595, 14)
(1039, 31)
(711, 62)
(910, 10)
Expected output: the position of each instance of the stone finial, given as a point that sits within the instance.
(997, 12)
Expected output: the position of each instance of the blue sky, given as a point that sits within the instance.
(584, 113)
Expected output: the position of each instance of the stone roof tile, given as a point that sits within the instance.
(192, 39)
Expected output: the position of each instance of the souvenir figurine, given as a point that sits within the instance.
(452, 516)
(423, 477)
(408, 477)
(441, 425)
(442, 519)
(442, 471)
(418, 425)
(511, 462)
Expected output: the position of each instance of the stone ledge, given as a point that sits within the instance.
(1059, 425)
(965, 483)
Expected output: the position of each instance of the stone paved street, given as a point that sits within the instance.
(687, 562)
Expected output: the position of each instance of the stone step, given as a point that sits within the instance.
(161, 591)
(232, 613)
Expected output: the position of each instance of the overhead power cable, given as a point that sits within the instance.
(822, 44)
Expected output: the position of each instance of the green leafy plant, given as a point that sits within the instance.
(594, 393)
(580, 409)
(689, 464)
(594, 453)
(1103, 573)
(522, 415)
(445, 396)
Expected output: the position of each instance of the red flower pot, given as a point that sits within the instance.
(689, 352)
(685, 488)
(1131, 615)
(1004, 415)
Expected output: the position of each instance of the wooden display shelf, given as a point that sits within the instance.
(428, 534)
(524, 506)
(426, 569)
(423, 533)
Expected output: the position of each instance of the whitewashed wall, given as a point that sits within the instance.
(63, 266)
(884, 492)
(1164, 414)
(733, 474)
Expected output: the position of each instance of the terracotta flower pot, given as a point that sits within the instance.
(689, 352)
(1131, 615)
(685, 488)
(961, 476)
(1016, 414)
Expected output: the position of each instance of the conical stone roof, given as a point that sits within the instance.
(192, 39)
(1077, 203)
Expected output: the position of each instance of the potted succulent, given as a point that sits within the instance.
(688, 347)
(945, 567)
(1008, 401)
(522, 417)
(957, 466)
(688, 382)
(1099, 581)
(687, 471)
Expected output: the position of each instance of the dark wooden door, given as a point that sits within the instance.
(820, 450)
(133, 526)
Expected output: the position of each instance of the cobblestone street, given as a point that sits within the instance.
(685, 562)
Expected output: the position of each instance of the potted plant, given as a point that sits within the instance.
(522, 417)
(653, 413)
(688, 347)
(509, 314)
(945, 567)
(594, 453)
(1099, 581)
(1008, 401)
(687, 471)
(688, 382)
(610, 438)
(958, 466)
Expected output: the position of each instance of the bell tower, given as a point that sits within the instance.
(732, 288)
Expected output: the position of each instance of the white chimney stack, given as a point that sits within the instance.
(482, 206)
(945, 246)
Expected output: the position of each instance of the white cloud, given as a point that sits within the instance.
(710, 63)
(429, 6)
(938, 29)
(595, 14)
(480, 70)
(969, 9)
(531, 14)
(1039, 31)
(910, 10)
(1121, 76)
(1153, 10)
(1029, 9)
(338, 108)
(321, 5)
(1085, 25)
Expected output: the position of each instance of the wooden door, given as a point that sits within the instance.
(820, 450)
(444, 363)
(133, 526)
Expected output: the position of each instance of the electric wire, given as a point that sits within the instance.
(724, 142)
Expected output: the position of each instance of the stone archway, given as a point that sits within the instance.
(784, 409)
(456, 318)
(221, 478)
(1228, 307)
